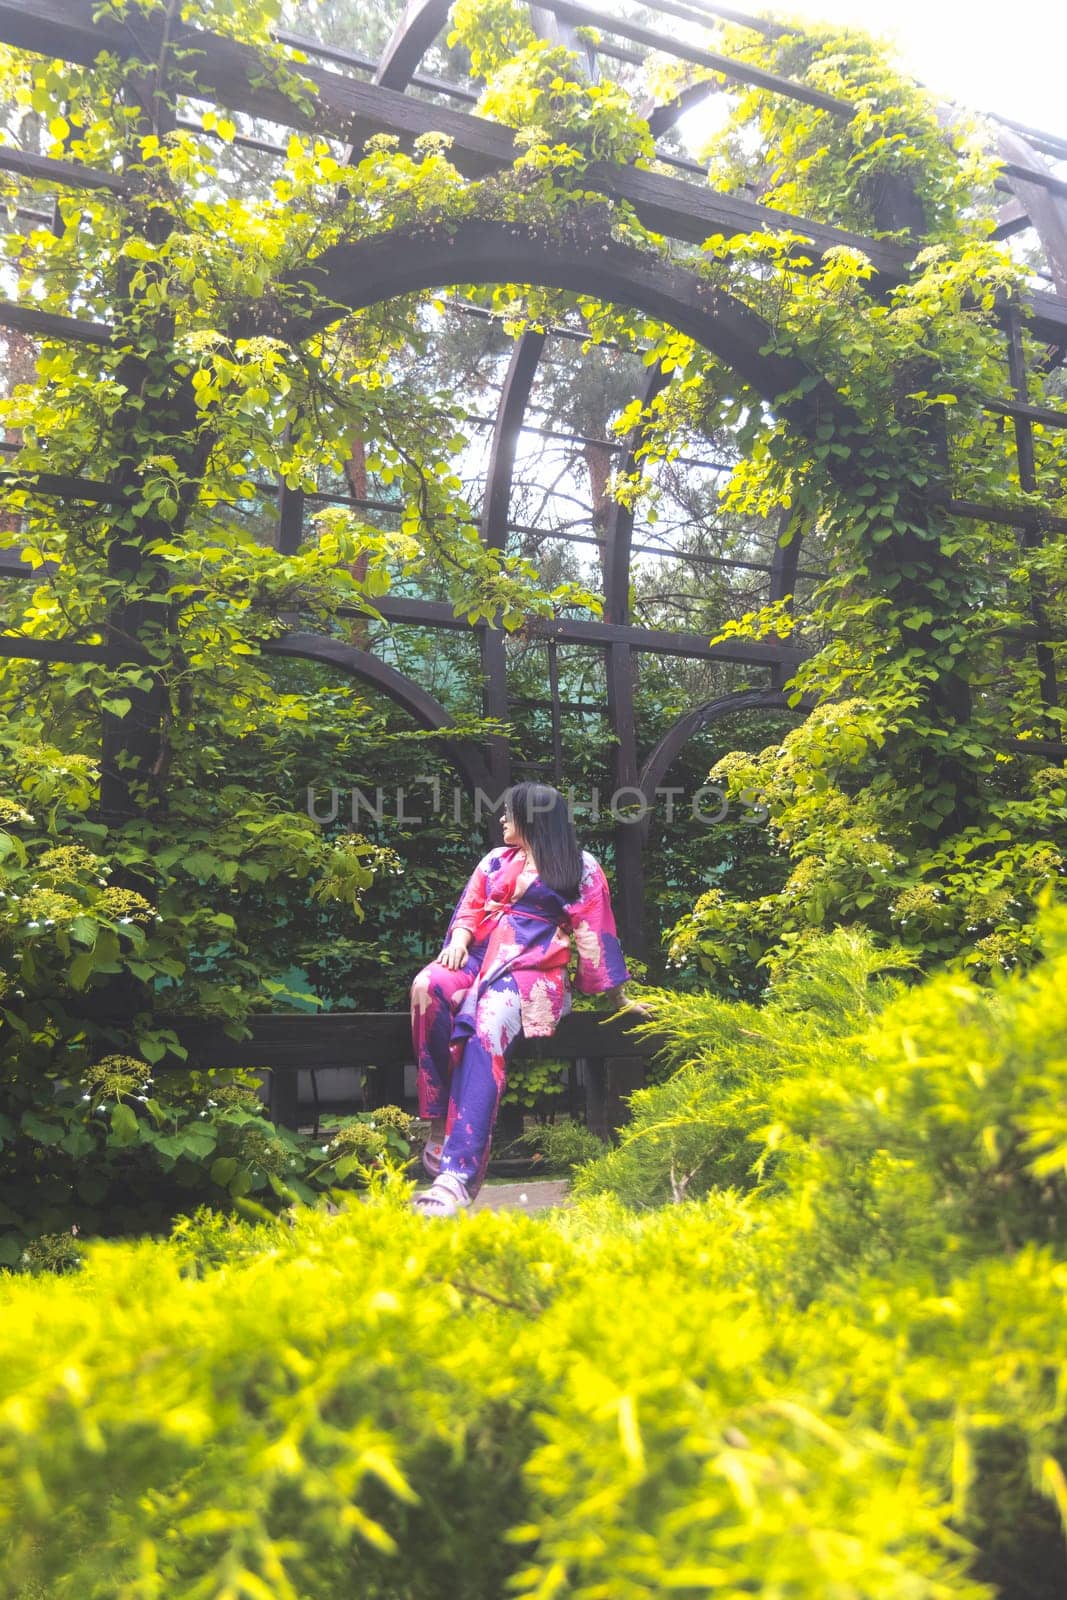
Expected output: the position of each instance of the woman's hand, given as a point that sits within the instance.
(621, 1001)
(455, 953)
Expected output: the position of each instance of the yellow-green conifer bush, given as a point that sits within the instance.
(842, 1374)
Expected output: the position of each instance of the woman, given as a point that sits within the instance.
(502, 973)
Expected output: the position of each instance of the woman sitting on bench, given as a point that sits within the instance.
(502, 974)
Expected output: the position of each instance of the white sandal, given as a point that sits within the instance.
(432, 1151)
(447, 1196)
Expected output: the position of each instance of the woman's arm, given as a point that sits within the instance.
(466, 918)
(471, 904)
(601, 965)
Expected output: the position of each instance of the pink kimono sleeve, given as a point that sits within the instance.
(601, 964)
(471, 903)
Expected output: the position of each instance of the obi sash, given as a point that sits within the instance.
(463, 1019)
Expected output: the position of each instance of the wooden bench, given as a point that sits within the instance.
(284, 1043)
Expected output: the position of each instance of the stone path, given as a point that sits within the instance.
(529, 1196)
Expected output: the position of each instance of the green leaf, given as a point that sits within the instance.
(40, 1129)
(81, 968)
(125, 1128)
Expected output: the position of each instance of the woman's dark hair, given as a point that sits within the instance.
(543, 817)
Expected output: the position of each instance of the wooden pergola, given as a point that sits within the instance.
(392, 99)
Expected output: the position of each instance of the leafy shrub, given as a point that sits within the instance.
(101, 1128)
(724, 1061)
(533, 1085)
(840, 1375)
(116, 1154)
(564, 1146)
(365, 1403)
(52, 1252)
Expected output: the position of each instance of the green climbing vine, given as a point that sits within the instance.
(908, 800)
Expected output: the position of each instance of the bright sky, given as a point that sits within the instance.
(1007, 58)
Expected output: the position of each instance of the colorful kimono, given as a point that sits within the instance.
(514, 981)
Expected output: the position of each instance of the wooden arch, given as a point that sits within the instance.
(660, 757)
(583, 258)
(579, 256)
(403, 691)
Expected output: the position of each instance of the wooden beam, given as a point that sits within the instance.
(1053, 143)
(439, 614)
(764, 25)
(63, 174)
(514, 397)
(1043, 197)
(351, 58)
(618, 535)
(48, 325)
(1026, 174)
(662, 115)
(22, 647)
(1029, 535)
(1004, 516)
(344, 108)
(1011, 219)
(682, 210)
(1047, 417)
(408, 694)
(685, 13)
(671, 743)
(619, 667)
(55, 485)
(1047, 317)
(293, 1041)
(581, 257)
(738, 71)
(578, 631)
(416, 29)
(291, 518)
(347, 109)
(1037, 747)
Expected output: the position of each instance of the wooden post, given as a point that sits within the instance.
(283, 1099)
(596, 1097)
